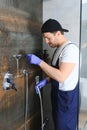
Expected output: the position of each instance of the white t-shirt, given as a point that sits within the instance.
(69, 54)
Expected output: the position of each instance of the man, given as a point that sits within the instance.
(63, 75)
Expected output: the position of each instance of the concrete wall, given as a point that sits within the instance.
(68, 14)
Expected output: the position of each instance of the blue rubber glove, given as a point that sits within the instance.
(33, 59)
(40, 85)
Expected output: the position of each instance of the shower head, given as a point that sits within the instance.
(37, 79)
(17, 57)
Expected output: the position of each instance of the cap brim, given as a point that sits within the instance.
(65, 30)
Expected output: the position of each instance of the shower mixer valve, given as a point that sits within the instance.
(8, 81)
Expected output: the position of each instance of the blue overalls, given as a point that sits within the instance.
(65, 106)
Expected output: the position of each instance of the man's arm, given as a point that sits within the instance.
(60, 74)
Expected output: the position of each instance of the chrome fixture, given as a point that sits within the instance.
(8, 81)
(17, 57)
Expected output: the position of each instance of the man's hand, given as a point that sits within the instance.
(33, 59)
(40, 85)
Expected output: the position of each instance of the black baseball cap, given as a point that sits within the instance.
(52, 25)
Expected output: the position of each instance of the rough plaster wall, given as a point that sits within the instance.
(20, 22)
(68, 14)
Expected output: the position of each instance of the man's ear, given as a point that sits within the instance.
(58, 33)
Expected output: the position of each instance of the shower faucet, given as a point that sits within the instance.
(17, 57)
(8, 81)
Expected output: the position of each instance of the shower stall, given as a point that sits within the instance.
(20, 22)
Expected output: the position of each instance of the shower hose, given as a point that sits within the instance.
(43, 122)
(25, 72)
(26, 109)
(41, 105)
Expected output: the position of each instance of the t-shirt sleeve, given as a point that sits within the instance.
(70, 54)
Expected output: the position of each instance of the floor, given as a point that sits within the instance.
(83, 120)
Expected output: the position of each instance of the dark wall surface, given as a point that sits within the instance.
(20, 22)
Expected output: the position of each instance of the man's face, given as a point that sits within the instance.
(51, 39)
